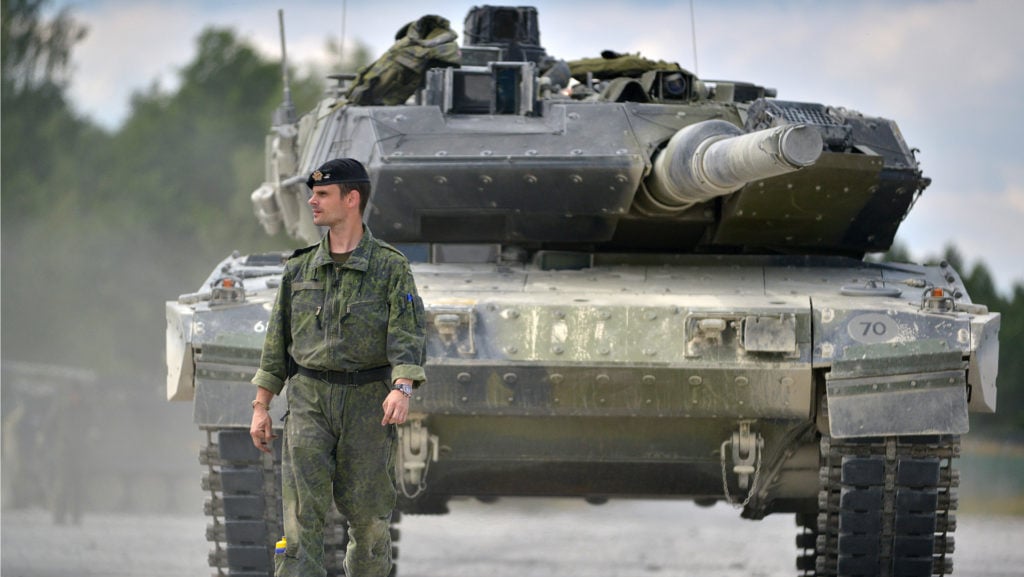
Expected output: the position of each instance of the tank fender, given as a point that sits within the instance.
(912, 388)
(984, 363)
(180, 361)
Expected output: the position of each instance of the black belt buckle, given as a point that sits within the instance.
(338, 377)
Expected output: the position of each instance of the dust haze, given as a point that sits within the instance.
(86, 426)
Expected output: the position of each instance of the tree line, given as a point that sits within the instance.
(100, 227)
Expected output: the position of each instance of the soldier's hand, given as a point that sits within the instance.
(261, 430)
(396, 408)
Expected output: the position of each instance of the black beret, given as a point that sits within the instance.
(338, 170)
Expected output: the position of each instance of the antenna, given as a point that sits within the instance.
(285, 114)
(341, 45)
(693, 36)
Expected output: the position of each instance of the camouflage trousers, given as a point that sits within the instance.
(336, 448)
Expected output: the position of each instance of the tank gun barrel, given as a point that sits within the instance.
(714, 158)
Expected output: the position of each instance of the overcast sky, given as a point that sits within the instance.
(950, 72)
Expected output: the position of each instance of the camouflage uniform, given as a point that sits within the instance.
(359, 315)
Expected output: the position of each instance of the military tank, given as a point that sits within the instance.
(638, 284)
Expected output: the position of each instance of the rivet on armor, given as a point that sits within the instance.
(484, 179)
(741, 381)
(557, 349)
(576, 179)
(510, 378)
(486, 153)
(650, 352)
(397, 180)
(604, 315)
(648, 379)
(604, 351)
(621, 178)
(510, 314)
(786, 381)
(511, 350)
(556, 378)
(559, 314)
(603, 379)
(695, 380)
(441, 153)
(465, 399)
(530, 179)
(464, 377)
(440, 180)
(650, 315)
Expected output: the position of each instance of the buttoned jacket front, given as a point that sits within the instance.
(362, 314)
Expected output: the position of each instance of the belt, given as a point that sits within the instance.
(348, 377)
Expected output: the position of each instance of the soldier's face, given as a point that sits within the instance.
(333, 204)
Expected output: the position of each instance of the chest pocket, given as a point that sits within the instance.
(307, 303)
(369, 313)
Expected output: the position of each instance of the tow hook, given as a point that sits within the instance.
(746, 460)
(746, 449)
(417, 448)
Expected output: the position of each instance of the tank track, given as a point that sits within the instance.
(886, 508)
(245, 508)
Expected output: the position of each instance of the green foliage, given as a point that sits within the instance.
(100, 229)
(36, 53)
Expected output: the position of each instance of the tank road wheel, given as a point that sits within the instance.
(806, 542)
(886, 508)
(245, 508)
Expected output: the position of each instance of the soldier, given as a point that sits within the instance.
(347, 335)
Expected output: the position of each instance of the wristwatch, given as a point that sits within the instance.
(406, 389)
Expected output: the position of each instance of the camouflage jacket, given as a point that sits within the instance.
(359, 315)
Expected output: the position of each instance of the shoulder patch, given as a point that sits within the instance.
(302, 251)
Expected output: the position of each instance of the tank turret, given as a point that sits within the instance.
(637, 283)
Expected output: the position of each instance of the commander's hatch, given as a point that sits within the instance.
(498, 88)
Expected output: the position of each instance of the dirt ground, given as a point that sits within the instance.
(511, 538)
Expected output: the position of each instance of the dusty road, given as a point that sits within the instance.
(512, 538)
